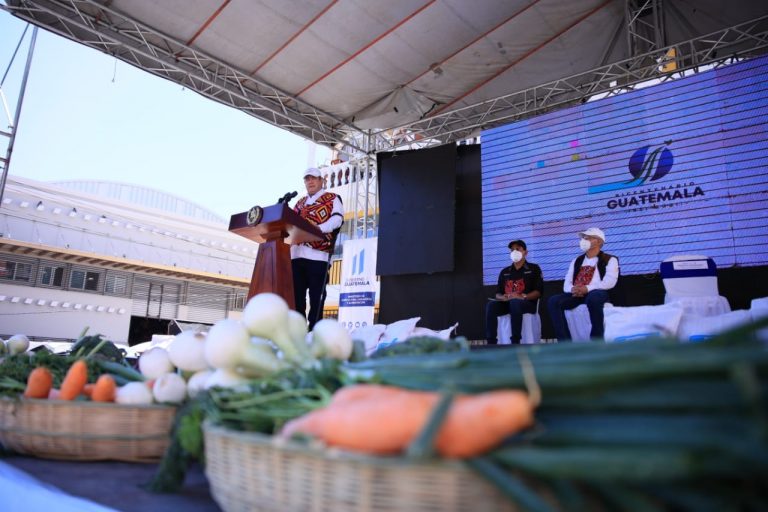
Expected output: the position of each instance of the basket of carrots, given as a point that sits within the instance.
(85, 430)
(67, 410)
(359, 461)
(254, 471)
(650, 425)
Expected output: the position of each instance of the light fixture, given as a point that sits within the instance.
(41, 302)
(87, 216)
(56, 210)
(7, 200)
(39, 206)
(24, 204)
(102, 219)
(115, 223)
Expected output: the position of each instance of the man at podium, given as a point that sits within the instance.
(310, 261)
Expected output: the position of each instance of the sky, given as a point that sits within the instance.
(87, 115)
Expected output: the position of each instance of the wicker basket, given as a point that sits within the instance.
(55, 429)
(249, 471)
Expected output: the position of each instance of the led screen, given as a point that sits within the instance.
(676, 168)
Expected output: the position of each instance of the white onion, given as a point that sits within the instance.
(187, 351)
(331, 339)
(169, 388)
(196, 383)
(134, 393)
(17, 344)
(226, 378)
(155, 362)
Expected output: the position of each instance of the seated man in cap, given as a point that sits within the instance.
(519, 288)
(587, 281)
(310, 260)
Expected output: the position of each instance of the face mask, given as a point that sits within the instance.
(516, 256)
(585, 244)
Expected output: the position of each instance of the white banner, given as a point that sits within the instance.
(357, 295)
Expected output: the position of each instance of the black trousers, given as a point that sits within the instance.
(515, 308)
(309, 275)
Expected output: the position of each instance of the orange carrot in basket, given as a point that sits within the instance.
(385, 424)
(39, 383)
(475, 424)
(363, 392)
(383, 420)
(104, 390)
(88, 389)
(74, 381)
(368, 418)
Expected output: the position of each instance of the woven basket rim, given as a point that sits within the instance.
(318, 450)
(82, 403)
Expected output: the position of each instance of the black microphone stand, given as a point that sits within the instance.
(321, 300)
(287, 197)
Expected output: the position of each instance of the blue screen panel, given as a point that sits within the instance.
(676, 168)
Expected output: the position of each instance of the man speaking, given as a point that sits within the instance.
(310, 260)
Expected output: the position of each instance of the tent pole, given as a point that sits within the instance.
(6, 162)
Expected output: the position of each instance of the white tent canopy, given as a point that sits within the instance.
(340, 70)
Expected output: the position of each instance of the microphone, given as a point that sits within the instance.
(287, 197)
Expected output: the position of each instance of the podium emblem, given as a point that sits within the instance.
(254, 215)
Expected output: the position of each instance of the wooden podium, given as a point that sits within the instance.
(276, 228)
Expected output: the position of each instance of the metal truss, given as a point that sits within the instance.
(8, 138)
(95, 25)
(109, 31)
(361, 197)
(367, 193)
(741, 41)
(645, 26)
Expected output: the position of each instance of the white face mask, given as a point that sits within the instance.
(516, 256)
(585, 244)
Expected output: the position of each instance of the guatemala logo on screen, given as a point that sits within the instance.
(643, 167)
(646, 166)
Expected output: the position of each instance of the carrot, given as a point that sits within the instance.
(383, 425)
(385, 420)
(39, 383)
(104, 390)
(475, 424)
(88, 389)
(363, 392)
(74, 381)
